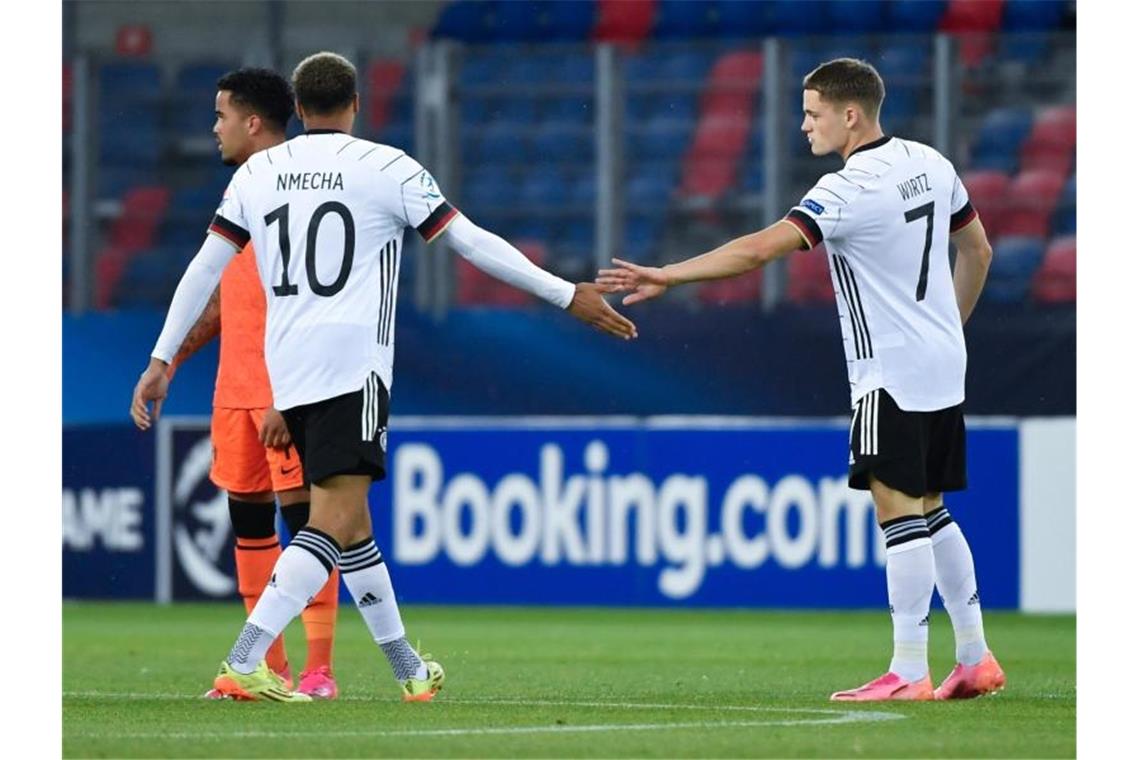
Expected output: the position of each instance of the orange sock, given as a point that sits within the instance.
(320, 623)
(255, 559)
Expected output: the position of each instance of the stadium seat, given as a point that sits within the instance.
(661, 138)
(809, 278)
(573, 110)
(558, 143)
(201, 77)
(501, 143)
(1032, 15)
(970, 16)
(649, 187)
(909, 17)
(683, 20)
(1033, 198)
(989, 195)
(583, 189)
(479, 69)
(530, 70)
(1065, 217)
(858, 16)
(518, 21)
(708, 178)
(641, 234)
(624, 20)
(737, 20)
(721, 136)
(1052, 141)
(114, 181)
(384, 77)
(567, 20)
(999, 139)
(788, 18)
(488, 190)
(1015, 260)
(544, 187)
(1056, 280)
(466, 21)
(118, 80)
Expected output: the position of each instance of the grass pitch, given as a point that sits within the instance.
(558, 682)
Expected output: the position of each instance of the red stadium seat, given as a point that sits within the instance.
(989, 195)
(476, 288)
(384, 77)
(624, 20)
(809, 278)
(720, 136)
(975, 23)
(744, 289)
(1056, 280)
(1052, 142)
(1033, 197)
(143, 210)
(708, 177)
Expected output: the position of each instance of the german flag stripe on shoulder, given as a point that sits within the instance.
(231, 232)
(437, 221)
(807, 227)
(962, 217)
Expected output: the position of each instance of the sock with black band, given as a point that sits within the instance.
(256, 551)
(367, 579)
(910, 584)
(299, 574)
(954, 574)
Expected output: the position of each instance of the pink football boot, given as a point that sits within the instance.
(969, 681)
(888, 687)
(318, 683)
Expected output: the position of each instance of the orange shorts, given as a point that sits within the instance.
(241, 463)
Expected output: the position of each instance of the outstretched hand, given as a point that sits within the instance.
(642, 283)
(589, 306)
(152, 386)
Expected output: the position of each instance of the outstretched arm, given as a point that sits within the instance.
(207, 327)
(971, 265)
(198, 283)
(503, 261)
(735, 257)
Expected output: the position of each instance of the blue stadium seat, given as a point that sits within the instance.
(197, 202)
(1014, 262)
(568, 110)
(741, 20)
(1032, 15)
(530, 229)
(466, 21)
(900, 106)
(512, 110)
(907, 16)
(488, 190)
(576, 68)
(792, 18)
(480, 69)
(117, 80)
(576, 237)
(683, 20)
(517, 21)
(530, 69)
(640, 238)
(473, 110)
(130, 138)
(543, 187)
(562, 144)
(857, 16)
(642, 67)
(998, 142)
(1065, 217)
(661, 138)
(583, 189)
(1029, 49)
(685, 65)
(568, 20)
(903, 60)
(399, 135)
(151, 276)
(753, 177)
(649, 187)
(501, 144)
(196, 77)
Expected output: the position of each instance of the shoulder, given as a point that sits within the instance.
(390, 161)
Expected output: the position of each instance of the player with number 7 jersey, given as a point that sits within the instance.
(886, 220)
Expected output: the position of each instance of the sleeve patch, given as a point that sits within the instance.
(812, 206)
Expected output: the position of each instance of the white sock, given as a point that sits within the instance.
(366, 577)
(301, 571)
(954, 572)
(910, 583)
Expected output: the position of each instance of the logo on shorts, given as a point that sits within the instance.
(812, 206)
(291, 470)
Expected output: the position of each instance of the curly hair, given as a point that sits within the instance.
(325, 83)
(260, 91)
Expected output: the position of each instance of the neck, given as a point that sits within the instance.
(339, 122)
(261, 142)
(859, 139)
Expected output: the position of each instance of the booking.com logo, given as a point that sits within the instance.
(601, 518)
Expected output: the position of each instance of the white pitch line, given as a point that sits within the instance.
(824, 717)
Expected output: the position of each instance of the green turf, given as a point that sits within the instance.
(563, 682)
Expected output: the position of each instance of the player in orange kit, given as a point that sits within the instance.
(254, 459)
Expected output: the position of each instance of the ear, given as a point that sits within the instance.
(851, 116)
(300, 111)
(254, 124)
(356, 103)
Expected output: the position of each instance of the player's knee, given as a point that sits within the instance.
(296, 515)
(252, 519)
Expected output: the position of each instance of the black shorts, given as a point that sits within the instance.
(343, 435)
(913, 452)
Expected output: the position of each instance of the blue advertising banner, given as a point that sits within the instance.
(592, 511)
(670, 514)
(108, 513)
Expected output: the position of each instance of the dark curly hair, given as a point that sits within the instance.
(325, 83)
(260, 91)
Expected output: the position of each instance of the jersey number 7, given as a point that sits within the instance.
(925, 210)
(281, 215)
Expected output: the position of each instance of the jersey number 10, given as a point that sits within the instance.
(925, 210)
(281, 215)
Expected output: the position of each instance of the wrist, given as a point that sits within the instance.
(157, 364)
(671, 278)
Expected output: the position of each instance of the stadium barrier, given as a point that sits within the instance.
(658, 511)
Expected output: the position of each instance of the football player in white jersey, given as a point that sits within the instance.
(326, 213)
(886, 219)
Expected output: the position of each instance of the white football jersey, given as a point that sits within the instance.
(885, 220)
(327, 212)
